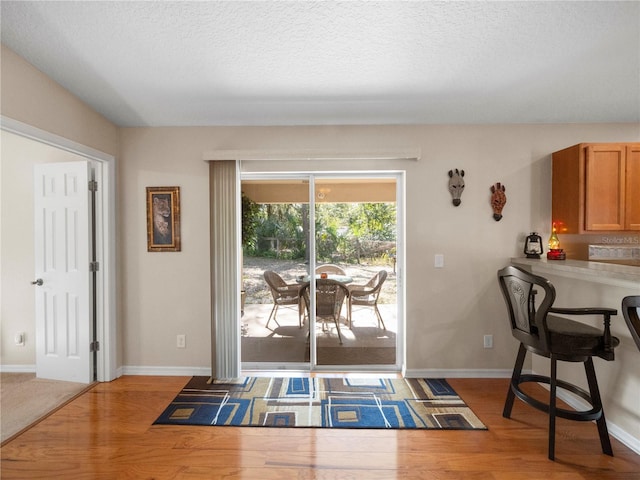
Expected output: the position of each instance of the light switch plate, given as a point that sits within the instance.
(438, 260)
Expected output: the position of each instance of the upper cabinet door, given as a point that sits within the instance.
(605, 187)
(632, 216)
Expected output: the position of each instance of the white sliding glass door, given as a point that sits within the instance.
(302, 233)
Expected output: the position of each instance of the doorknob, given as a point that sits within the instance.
(38, 282)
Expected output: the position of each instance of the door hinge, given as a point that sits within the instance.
(94, 346)
(94, 266)
(93, 186)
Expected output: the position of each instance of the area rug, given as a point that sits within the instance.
(409, 403)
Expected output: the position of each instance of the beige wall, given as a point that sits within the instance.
(448, 310)
(29, 96)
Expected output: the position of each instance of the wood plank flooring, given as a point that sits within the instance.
(107, 433)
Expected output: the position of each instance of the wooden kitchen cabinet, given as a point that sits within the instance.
(632, 188)
(595, 188)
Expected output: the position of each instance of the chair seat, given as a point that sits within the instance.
(362, 296)
(576, 338)
(288, 298)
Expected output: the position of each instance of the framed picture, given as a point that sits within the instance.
(163, 219)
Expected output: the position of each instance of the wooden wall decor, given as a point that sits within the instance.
(498, 200)
(456, 185)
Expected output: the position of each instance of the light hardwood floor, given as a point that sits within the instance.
(107, 433)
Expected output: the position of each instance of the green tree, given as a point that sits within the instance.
(373, 221)
(250, 221)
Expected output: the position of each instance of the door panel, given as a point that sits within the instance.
(356, 233)
(604, 203)
(62, 258)
(632, 205)
(275, 239)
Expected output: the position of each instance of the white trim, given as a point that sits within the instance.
(106, 332)
(458, 373)
(48, 138)
(413, 154)
(18, 368)
(165, 371)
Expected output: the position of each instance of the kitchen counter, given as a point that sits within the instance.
(598, 272)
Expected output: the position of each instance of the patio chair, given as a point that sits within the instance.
(630, 309)
(284, 294)
(330, 296)
(557, 338)
(330, 268)
(367, 296)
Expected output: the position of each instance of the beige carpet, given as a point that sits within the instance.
(25, 400)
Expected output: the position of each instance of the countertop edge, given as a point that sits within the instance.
(613, 274)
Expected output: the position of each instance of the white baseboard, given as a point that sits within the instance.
(457, 373)
(164, 371)
(18, 368)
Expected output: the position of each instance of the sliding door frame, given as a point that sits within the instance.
(311, 368)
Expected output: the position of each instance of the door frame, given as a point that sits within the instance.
(312, 368)
(104, 166)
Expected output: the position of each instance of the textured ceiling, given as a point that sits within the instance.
(164, 63)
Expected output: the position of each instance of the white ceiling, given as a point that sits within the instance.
(168, 63)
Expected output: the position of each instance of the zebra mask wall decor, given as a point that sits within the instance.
(456, 185)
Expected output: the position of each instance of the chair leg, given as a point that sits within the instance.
(301, 309)
(349, 313)
(552, 407)
(515, 379)
(337, 322)
(380, 321)
(272, 315)
(594, 391)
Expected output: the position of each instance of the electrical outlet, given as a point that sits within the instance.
(181, 341)
(488, 341)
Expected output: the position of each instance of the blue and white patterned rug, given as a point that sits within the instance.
(400, 403)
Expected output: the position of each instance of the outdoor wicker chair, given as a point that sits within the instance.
(367, 296)
(330, 268)
(284, 294)
(330, 296)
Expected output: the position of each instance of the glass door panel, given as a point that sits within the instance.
(355, 246)
(275, 236)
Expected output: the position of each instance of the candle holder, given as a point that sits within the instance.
(555, 252)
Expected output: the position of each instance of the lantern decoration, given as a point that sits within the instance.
(533, 246)
(555, 252)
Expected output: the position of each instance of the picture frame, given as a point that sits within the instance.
(163, 219)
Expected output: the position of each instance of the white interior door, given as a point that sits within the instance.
(62, 263)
